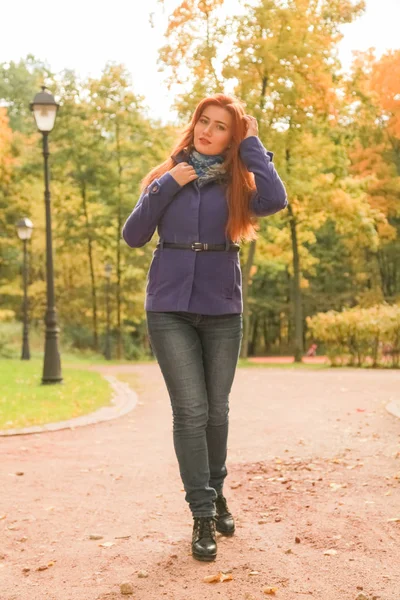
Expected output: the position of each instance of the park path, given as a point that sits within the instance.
(314, 483)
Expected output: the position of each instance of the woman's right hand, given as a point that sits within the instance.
(183, 173)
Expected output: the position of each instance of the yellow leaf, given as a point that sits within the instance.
(107, 544)
(330, 552)
(218, 577)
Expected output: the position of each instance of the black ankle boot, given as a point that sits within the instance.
(204, 545)
(224, 519)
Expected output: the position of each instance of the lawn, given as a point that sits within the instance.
(267, 365)
(24, 401)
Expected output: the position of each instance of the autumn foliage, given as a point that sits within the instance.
(336, 143)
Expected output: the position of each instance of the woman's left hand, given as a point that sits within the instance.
(252, 126)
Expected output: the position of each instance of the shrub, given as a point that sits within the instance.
(360, 336)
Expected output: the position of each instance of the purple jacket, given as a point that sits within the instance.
(203, 282)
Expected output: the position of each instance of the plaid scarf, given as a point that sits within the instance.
(208, 168)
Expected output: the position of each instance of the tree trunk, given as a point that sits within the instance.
(297, 297)
(254, 336)
(246, 279)
(252, 251)
(265, 333)
(91, 266)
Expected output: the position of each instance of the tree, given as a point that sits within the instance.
(19, 83)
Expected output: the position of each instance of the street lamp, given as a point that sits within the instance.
(107, 349)
(24, 230)
(44, 108)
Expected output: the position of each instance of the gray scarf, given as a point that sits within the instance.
(208, 168)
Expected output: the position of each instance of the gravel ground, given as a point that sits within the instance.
(314, 484)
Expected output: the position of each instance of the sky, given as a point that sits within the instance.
(84, 35)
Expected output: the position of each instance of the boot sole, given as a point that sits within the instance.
(226, 533)
(204, 558)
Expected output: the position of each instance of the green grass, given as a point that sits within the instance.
(24, 401)
(246, 363)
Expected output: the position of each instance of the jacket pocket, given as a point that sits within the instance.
(152, 278)
(229, 280)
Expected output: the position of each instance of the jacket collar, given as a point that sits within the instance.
(182, 156)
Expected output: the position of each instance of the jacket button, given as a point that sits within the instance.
(154, 189)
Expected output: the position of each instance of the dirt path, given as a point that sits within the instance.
(313, 455)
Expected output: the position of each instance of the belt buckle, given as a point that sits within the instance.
(197, 246)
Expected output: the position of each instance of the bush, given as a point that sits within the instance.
(77, 337)
(10, 336)
(360, 336)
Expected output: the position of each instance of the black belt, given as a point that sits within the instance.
(199, 247)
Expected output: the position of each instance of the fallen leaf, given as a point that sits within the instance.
(270, 590)
(235, 485)
(254, 573)
(297, 540)
(42, 568)
(218, 577)
(212, 578)
(143, 574)
(395, 520)
(94, 536)
(107, 544)
(330, 552)
(337, 486)
(2, 517)
(126, 588)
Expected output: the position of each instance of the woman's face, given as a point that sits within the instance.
(212, 132)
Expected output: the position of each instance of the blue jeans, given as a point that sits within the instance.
(197, 355)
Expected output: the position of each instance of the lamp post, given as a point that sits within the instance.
(24, 230)
(107, 349)
(44, 108)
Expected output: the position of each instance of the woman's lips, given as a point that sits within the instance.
(204, 141)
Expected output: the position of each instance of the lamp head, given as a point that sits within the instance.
(44, 108)
(24, 228)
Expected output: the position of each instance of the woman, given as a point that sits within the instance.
(203, 201)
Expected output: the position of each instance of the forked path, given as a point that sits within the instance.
(314, 483)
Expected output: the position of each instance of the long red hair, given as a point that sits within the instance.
(241, 224)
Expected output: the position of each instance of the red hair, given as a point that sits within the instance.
(241, 223)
